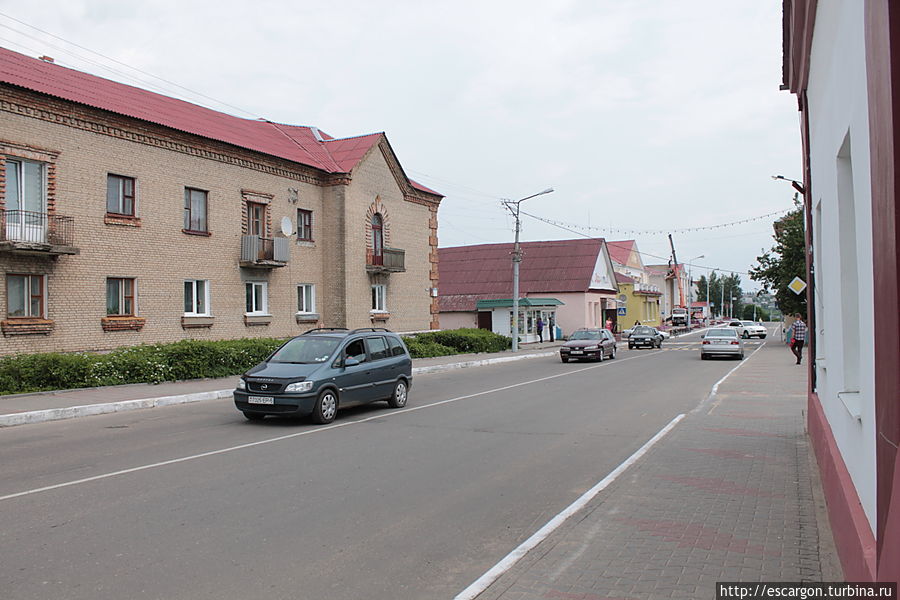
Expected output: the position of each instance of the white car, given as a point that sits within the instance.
(749, 329)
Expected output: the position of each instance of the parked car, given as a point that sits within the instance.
(642, 335)
(721, 341)
(590, 344)
(749, 329)
(323, 370)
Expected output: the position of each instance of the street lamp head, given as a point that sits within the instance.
(547, 191)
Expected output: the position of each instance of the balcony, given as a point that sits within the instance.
(36, 233)
(391, 260)
(264, 253)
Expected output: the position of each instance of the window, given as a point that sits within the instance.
(25, 296)
(377, 239)
(195, 203)
(306, 298)
(256, 219)
(120, 296)
(257, 297)
(379, 293)
(120, 195)
(304, 225)
(356, 349)
(196, 297)
(377, 347)
(396, 347)
(25, 185)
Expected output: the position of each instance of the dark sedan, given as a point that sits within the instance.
(589, 344)
(643, 336)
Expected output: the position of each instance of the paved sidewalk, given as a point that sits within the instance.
(729, 494)
(23, 409)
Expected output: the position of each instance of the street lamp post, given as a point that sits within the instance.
(691, 288)
(516, 259)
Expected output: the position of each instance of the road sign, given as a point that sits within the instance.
(797, 286)
(621, 311)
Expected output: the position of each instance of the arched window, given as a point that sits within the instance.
(377, 239)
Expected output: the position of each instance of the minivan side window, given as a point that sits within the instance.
(377, 347)
(356, 349)
(396, 347)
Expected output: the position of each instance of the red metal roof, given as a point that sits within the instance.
(291, 142)
(620, 251)
(622, 278)
(484, 272)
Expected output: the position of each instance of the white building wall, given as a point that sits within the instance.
(842, 231)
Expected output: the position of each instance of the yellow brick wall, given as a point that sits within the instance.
(160, 256)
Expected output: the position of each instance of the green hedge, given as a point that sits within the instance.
(456, 341)
(149, 363)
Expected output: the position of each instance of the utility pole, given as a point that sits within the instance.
(516, 260)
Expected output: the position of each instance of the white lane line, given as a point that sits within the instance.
(715, 388)
(483, 582)
(385, 415)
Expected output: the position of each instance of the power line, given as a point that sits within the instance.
(110, 69)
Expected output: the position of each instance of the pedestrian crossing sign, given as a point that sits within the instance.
(620, 311)
(797, 286)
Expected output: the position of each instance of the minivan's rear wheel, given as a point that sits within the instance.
(254, 416)
(326, 407)
(401, 392)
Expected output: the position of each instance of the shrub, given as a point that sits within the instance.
(419, 348)
(469, 340)
(148, 363)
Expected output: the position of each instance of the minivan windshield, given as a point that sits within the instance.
(306, 350)
(586, 334)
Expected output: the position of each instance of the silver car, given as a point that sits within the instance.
(721, 341)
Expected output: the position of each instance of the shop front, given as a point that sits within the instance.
(530, 311)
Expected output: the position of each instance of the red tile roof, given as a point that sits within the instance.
(620, 251)
(484, 272)
(622, 278)
(291, 142)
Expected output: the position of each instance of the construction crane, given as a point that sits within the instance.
(681, 314)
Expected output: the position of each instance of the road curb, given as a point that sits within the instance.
(87, 410)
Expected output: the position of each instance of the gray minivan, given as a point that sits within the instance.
(325, 369)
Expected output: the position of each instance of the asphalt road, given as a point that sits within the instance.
(192, 501)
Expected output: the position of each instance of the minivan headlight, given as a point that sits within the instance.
(241, 384)
(299, 386)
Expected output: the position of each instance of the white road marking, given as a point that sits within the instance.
(385, 415)
(483, 582)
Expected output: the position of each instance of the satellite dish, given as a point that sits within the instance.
(287, 228)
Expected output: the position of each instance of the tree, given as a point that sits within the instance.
(724, 292)
(786, 260)
(753, 312)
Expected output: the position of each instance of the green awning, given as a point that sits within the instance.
(523, 303)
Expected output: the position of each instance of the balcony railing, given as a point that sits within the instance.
(264, 252)
(37, 232)
(391, 260)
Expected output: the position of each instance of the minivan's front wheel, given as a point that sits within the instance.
(326, 407)
(401, 392)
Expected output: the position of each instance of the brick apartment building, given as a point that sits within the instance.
(129, 217)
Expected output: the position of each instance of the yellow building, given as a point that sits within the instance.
(641, 302)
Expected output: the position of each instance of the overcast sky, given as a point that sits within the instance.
(651, 115)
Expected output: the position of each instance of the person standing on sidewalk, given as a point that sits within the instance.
(540, 328)
(798, 337)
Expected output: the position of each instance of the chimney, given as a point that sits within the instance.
(46, 58)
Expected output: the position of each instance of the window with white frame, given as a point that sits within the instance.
(379, 298)
(120, 296)
(120, 195)
(25, 296)
(257, 297)
(306, 298)
(196, 298)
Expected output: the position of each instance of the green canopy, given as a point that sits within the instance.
(523, 303)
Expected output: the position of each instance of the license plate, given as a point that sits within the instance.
(577, 352)
(261, 400)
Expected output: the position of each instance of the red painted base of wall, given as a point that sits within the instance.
(853, 536)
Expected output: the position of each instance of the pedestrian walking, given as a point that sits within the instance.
(798, 337)
(540, 328)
